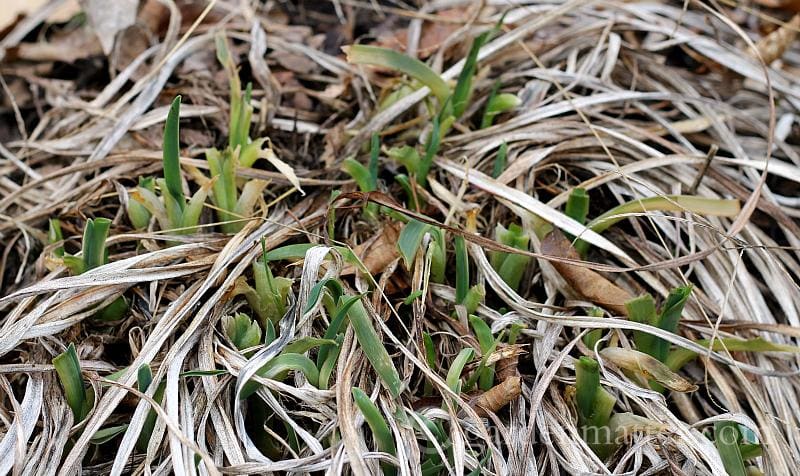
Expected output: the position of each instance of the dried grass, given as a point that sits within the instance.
(622, 98)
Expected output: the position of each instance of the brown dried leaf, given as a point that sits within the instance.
(498, 396)
(433, 34)
(506, 359)
(377, 252)
(650, 367)
(299, 64)
(774, 45)
(69, 47)
(589, 284)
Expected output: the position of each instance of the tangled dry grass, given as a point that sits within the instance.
(626, 99)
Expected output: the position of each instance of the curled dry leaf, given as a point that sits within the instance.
(589, 284)
(505, 360)
(498, 396)
(377, 252)
(650, 367)
(774, 45)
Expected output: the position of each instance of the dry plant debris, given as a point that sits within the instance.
(488, 237)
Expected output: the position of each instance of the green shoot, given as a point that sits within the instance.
(577, 207)
(409, 241)
(279, 368)
(498, 104)
(430, 359)
(93, 247)
(680, 356)
(380, 429)
(172, 211)
(643, 310)
(94, 254)
(667, 203)
(79, 398)
(373, 348)
(268, 298)
(387, 58)
(462, 269)
(514, 333)
(242, 331)
(462, 93)
(374, 155)
(511, 267)
(726, 438)
(595, 405)
(54, 236)
(363, 178)
(137, 212)
(457, 367)
(670, 315)
(501, 160)
(592, 337)
(144, 378)
(104, 435)
(431, 148)
(487, 344)
(473, 298)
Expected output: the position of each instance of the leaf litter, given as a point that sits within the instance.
(386, 329)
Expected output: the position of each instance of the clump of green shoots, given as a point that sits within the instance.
(233, 207)
(243, 332)
(93, 254)
(93, 247)
(452, 102)
(643, 309)
(172, 211)
(510, 266)
(344, 309)
(268, 298)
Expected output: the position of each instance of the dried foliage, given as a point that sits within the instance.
(460, 364)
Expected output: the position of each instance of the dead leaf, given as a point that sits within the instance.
(774, 45)
(299, 64)
(589, 284)
(67, 47)
(432, 36)
(109, 18)
(377, 252)
(132, 43)
(648, 366)
(505, 360)
(498, 396)
(335, 139)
